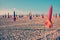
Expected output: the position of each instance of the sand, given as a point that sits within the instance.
(26, 29)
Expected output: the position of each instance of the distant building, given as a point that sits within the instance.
(14, 16)
(5, 15)
(37, 15)
(30, 16)
(56, 15)
(8, 15)
(59, 15)
(20, 16)
(42, 16)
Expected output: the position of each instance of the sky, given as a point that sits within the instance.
(26, 6)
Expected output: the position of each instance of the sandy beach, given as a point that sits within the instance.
(26, 29)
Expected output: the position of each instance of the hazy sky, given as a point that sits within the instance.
(25, 6)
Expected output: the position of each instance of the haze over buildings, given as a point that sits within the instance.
(25, 6)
